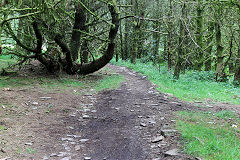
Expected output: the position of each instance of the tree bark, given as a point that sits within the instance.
(79, 24)
(108, 55)
(179, 66)
(237, 62)
(208, 59)
(169, 37)
(199, 37)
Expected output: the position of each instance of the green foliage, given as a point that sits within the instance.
(206, 136)
(192, 86)
(5, 61)
(200, 75)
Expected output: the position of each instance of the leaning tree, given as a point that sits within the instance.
(62, 34)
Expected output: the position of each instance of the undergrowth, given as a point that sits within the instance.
(191, 86)
(210, 135)
(5, 61)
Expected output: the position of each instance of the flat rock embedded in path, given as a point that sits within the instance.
(83, 140)
(157, 139)
(143, 124)
(85, 116)
(53, 155)
(45, 98)
(67, 139)
(168, 132)
(61, 154)
(172, 152)
(66, 158)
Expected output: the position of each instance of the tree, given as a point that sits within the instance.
(63, 25)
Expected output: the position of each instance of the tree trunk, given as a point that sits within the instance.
(220, 57)
(237, 62)
(79, 24)
(121, 41)
(156, 40)
(126, 40)
(199, 37)
(169, 36)
(108, 55)
(178, 66)
(84, 51)
(135, 43)
(1, 29)
(208, 59)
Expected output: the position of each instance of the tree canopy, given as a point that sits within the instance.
(55, 32)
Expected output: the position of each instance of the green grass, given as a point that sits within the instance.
(109, 82)
(105, 79)
(225, 115)
(210, 135)
(192, 86)
(106, 82)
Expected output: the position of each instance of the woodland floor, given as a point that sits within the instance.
(120, 124)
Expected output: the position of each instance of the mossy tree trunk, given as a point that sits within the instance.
(199, 36)
(208, 55)
(180, 50)
(137, 41)
(169, 36)
(219, 53)
(79, 24)
(126, 40)
(237, 61)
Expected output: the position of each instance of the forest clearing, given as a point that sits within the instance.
(119, 80)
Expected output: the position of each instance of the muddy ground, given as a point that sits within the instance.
(133, 122)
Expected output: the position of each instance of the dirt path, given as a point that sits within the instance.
(133, 122)
(130, 123)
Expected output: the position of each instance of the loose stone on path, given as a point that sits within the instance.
(173, 152)
(157, 139)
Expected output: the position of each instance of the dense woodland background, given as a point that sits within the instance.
(81, 36)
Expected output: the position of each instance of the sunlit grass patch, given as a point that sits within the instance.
(109, 82)
(210, 135)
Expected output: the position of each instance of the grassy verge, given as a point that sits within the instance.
(105, 79)
(96, 82)
(210, 135)
(192, 86)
